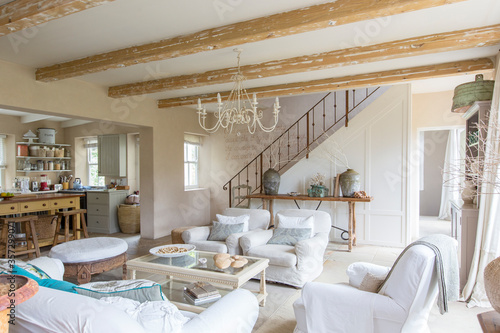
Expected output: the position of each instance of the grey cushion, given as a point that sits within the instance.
(138, 290)
(220, 231)
(289, 236)
(278, 255)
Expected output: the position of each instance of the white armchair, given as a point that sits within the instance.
(288, 264)
(259, 221)
(402, 305)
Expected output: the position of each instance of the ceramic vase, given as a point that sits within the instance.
(349, 182)
(318, 191)
(468, 192)
(271, 181)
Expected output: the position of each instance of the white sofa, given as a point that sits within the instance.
(54, 311)
(259, 220)
(292, 265)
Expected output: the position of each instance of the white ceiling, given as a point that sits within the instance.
(124, 23)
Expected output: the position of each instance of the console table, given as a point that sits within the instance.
(267, 203)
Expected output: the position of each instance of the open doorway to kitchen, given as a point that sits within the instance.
(440, 148)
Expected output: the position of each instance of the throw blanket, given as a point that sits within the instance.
(446, 265)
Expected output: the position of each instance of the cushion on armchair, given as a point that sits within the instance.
(296, 222)
(139, 290)
(289, 236)
(234, 220)
(221, 231)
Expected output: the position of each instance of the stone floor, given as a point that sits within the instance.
(278, 317)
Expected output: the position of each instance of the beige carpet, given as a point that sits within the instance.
(278, 317)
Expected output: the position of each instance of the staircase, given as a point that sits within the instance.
(330, 113)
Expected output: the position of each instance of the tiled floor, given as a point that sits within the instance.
(278, 317)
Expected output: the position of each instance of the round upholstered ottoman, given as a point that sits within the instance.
(85, 257)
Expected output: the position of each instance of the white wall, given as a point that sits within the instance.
(376, 144)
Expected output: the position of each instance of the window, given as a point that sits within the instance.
(191, 161)
(3, 159)
(92, 164)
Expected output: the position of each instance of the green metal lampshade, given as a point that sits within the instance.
(468, 93)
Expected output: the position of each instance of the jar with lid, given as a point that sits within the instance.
(51, 165)
(39, 164)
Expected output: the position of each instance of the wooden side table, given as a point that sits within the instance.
(489, 321)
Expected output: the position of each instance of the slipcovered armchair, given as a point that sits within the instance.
(402, 304)
(291, 264)
(258, 221)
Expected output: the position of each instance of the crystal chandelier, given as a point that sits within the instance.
(238, 109)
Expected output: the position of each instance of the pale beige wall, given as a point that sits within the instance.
(161, 132)
(429, 111)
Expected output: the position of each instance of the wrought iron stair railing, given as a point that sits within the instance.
(329, 114)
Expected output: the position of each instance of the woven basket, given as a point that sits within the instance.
(129, 219)
(45, 226)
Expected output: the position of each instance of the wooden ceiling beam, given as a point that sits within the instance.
(349, 82)
(22, 14)
(273, 26)
(443, 42)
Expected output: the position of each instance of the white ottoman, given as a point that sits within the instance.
(85, 257)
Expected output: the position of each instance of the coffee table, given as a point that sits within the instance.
(189, 268)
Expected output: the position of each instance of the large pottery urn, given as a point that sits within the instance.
(491, 285)
(271, 181)
(349, 182)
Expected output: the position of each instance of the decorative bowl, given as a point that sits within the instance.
(293, 194)
(175, 248)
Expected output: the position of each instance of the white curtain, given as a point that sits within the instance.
(488, 229)
(451, 184)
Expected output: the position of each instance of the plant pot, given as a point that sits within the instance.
(317, 191)
(271, 181)
(349, 183)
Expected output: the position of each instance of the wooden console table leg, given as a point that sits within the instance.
(354, 238)
(350, 241)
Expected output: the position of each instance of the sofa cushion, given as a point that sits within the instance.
(139, 290)
(53, 267)
(221, 231)
(210, 246)
(289, 236)
(88, 249)
(259, 218)
(306, 222)
(49, 283)
(234, 220)
(278, 255)
(6, 268)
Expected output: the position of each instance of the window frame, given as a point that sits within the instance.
(92, 144)
(188, 163)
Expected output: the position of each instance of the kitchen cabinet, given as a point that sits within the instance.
(102, 210)
(24, 162)
(112, 155)
(463, 229)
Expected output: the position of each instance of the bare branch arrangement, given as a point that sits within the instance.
(481, 164)
(334, 153)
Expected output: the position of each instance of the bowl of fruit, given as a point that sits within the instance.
(6, 195)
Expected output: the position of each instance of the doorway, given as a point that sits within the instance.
(440, 149)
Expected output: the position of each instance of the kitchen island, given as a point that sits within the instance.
(33, 203)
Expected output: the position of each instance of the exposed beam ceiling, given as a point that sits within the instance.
(33, 117)
(443, 42)
(278, 25)
(349, 82)
(21, 14)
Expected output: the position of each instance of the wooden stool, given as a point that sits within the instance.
(29, 226)
(67, 215)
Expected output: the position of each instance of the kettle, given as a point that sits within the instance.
(77, 183)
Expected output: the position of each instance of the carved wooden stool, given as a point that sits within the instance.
(29, 226)
(85, 257)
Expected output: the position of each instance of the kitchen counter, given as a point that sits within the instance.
(38, 196)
